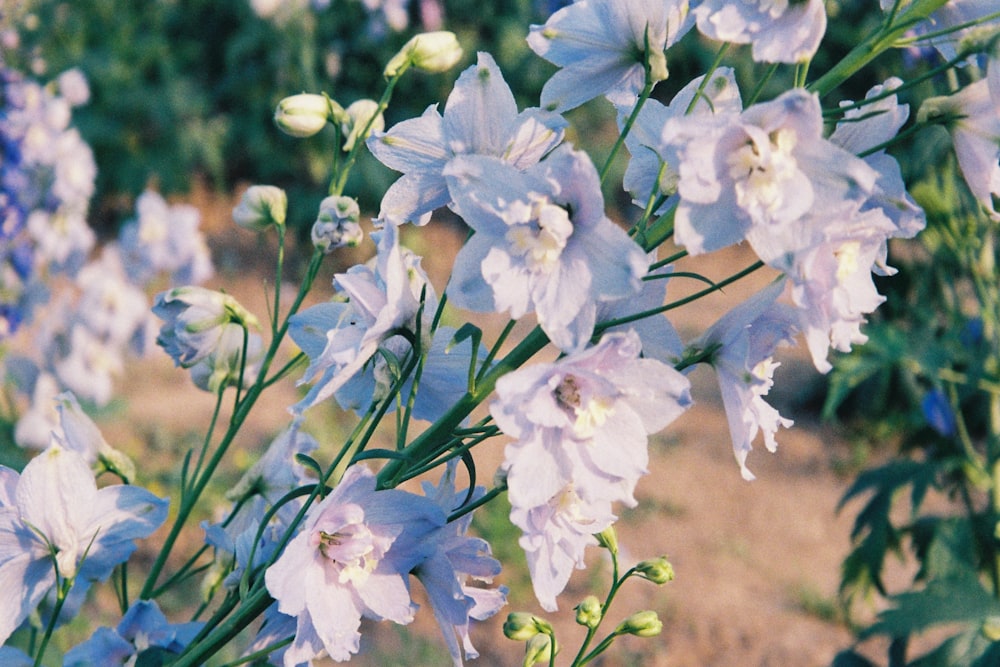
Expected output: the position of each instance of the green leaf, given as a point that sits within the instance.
(968, 649)
(849, 658)
(956, 600)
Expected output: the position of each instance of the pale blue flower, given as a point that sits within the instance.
(764, 170)
(142, 627)
(601, 46)
(660, 339)
(480, 118)
(341, 337)
(55, 505)
(194, 320)
(779, 31)
(457, 557)
(743, 343)
(542, 243)
(165, 238)
(580, 427)
(351, 559)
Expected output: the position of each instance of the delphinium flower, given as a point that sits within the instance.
(165, 239)
(542, 243)
(55, 524)
(779, 31)
(237, 355)
(337, 224)
(458, 557)
(194, 320)
(580, 428)
(767, 168)
(351, 559)
(973, 116)
(742, 344)
(652, 167)
(79, 433)
(480, 118)
(341, 337)
(143, 627)
(604, 48)
(960, 23)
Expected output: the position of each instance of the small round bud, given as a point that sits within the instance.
(356, 120)
(260, 207)
(589, 612)
(337, 224)
(658, 570)
(608, 539)
(522, 626)
(430, 52)
(304, 115)
(641, 624)
(539, 649)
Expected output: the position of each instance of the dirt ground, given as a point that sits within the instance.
(757, 563)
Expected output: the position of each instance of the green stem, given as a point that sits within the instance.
(63, 590)
(620, 141)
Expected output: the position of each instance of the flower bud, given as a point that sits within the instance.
(658, 570)
(608, 539)
(589, 612)
(260, 207)
(305, 114)
(539, 649)
(222, 367)
(193, 320)
(430, 52)
(356, 120)
(522, 626)
(641, 624)
(337, 224)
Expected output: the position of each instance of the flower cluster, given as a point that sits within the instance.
(316, 541)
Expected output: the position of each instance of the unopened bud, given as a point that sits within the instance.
(641, 624)
(589, 612)
(658, 570)
(305, 114)
(430, 52)
(608, 539)
(337, 224)
(522, 626)
(360, 118)
(539, 648)
(260, 207)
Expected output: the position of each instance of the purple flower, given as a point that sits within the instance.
(480, 118)
(938, 413)
(55, 505)
(542, 243)
(580, 428)
(351, 559)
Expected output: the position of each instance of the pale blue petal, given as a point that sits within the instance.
(480, 110)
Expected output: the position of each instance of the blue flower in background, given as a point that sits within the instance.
(937, 411)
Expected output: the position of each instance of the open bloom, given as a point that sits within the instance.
(604, 46)
(54, 506)
(480, 118)
(580, 427)
(341, 337)
(142, 627)
(352, 559)
(744, 341)
(780, 31)
(975, 131)
(542, 243)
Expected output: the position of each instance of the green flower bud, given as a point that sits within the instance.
(337, 224)
(589, 612)
(305, 114)
(608, 539)
(658, 570)
(641, 624)
(522, 626)
(539, 648)
(260, 207)
(356, 120)
(430, 52)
